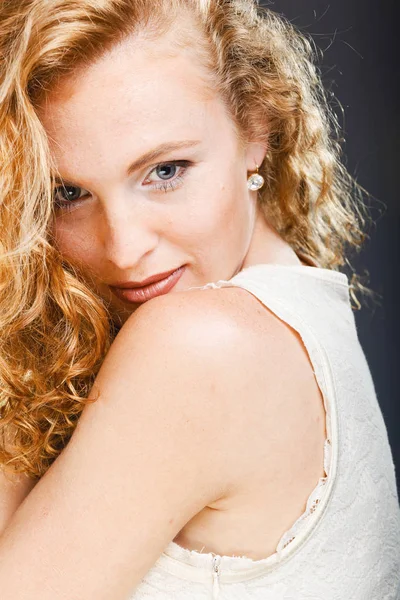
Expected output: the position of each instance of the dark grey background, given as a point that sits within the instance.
(360, 64)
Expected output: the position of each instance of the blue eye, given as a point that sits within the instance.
(167, 173)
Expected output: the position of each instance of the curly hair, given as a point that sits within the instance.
(54, 329)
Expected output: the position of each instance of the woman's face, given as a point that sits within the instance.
(155, 177)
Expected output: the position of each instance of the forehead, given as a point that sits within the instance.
(147, 87)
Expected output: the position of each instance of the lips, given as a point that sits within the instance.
(135, 284)
(150, 290)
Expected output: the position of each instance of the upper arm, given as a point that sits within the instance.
(13, 490)
(14, 487)
(143, 460)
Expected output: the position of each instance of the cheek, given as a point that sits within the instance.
(219, 209)
(74, 243)
(214, 198)
(199, 217)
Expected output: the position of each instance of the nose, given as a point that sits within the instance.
(127, 236)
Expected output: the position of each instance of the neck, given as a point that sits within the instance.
(267, 246)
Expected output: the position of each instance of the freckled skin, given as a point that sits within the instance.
(139, 95)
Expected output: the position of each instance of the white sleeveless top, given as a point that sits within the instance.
(346, 544)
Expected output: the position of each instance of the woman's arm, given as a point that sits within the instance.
(13, 490)
(144, 459)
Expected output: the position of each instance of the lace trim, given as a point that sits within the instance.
(312, 502)
(176, 551)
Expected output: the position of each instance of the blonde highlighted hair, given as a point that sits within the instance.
(54, 329)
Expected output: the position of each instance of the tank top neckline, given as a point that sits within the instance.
(318, 272)
(312, 268)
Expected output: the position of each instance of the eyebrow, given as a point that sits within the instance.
(151, 156)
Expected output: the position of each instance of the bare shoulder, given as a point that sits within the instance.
(214, 317)
(188, 308)
(255, 362)
(175, 373)
(223, 323)
(212, 332)
(200, 330)
(247, 379)
(227, 342)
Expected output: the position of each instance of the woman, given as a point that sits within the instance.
(186, 408)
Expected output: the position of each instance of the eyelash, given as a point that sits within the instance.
(163, 186)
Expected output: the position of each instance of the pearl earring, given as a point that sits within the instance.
(255, 181)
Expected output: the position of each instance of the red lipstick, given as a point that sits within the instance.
(138, 292)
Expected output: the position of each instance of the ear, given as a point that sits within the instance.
(255, 154)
